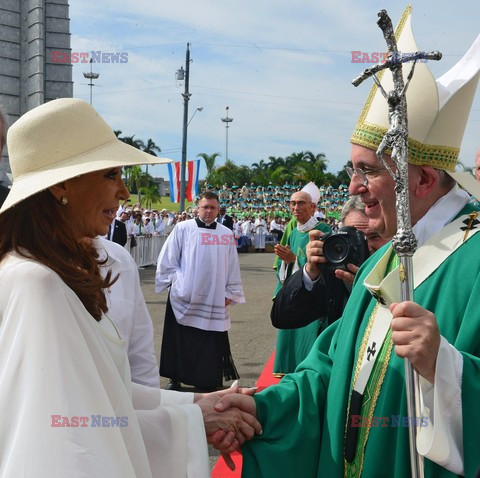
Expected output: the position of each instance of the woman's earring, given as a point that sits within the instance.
(64, 201)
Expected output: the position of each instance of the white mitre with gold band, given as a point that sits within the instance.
(437, 109)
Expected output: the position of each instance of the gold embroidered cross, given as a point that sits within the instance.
(470, 223)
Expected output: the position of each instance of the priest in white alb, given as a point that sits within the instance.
(199, 263)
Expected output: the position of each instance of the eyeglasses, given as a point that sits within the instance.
(362, 175)
(297, 203)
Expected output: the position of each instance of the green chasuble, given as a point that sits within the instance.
(304, 416)
(293, 345)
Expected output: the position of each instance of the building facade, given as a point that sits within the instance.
(30, 30)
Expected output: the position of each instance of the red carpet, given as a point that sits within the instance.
(220, 469)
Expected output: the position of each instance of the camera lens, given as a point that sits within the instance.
(335, 249)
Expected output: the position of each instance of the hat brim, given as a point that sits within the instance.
(113, 154)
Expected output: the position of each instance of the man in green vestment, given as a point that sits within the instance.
(307, 429)
(293, 345)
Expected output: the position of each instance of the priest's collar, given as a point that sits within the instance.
(309, 225)
(201, 224)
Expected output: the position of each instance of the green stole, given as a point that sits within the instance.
(372, 390)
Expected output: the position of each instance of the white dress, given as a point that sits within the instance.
(59, 366)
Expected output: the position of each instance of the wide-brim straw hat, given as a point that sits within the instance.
(60, 140)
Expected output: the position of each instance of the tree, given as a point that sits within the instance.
(306, 171)
(226, 174)
(209, 163)
(280, 175)
(136, 179)
(260, 166)
(151, 148)
(149, 194)
(274, 163)
(342, 175)
(136, 143)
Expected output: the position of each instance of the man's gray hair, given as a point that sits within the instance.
(354, 203)
(4, 126)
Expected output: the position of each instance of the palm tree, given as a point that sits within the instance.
(136, 143)
(135, 179)
(260, 166)
(274, 162)
(307, 171)
(209, 162)
(319, 159)
(150, 195)
(280, 175)
(151, 148)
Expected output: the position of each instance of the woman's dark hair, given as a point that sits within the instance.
(36, 228)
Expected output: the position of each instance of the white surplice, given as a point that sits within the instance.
(201, 265)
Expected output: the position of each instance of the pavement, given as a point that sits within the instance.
(252, 337)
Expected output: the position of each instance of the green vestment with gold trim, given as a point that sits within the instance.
(304, 416)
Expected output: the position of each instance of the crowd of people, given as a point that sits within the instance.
(250, 229)
(272, 201)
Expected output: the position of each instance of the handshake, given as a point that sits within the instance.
(230, 418)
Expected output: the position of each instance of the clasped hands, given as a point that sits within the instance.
(230, 419)
(284, 253)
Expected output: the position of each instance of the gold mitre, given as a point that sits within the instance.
(437, 109)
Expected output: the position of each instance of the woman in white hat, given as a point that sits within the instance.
(68, 407)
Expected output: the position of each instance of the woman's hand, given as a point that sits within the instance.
(228, 426)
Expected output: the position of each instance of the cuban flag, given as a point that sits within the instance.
(174, 177)
(193, 170)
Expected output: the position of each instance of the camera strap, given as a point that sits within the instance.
(385, 288)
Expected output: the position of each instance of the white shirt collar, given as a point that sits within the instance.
(440, 214)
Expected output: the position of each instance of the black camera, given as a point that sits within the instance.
(347, 246)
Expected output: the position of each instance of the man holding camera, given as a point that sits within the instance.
(293, 345)
(322, 292)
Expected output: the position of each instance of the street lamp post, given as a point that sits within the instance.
(91, 76)
(200, 108)
(181, 74)
(227, 121)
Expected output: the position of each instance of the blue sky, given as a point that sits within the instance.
(284, 69)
